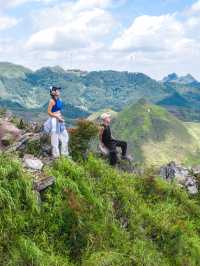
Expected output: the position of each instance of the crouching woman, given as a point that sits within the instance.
(58, 131)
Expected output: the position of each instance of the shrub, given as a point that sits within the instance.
(19, 122)
(80, 138)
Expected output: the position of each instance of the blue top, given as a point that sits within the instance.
(58, 106)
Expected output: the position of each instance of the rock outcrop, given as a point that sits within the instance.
(182, 175)
(9, 133)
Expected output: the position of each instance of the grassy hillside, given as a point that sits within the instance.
(95, 216)
(154, 135)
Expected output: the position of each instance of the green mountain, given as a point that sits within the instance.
(94, 216)
(183, 102)
(88, 92)
(155, 136)
(10, 70)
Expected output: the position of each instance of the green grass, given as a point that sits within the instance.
(94, 215)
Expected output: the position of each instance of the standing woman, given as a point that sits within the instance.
(58, 130)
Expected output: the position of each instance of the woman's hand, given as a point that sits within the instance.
(61, 119)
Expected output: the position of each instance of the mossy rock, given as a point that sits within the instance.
(7, 140)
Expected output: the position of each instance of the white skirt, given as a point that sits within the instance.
(53, 125)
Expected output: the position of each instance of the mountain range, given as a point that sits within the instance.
(26, 92)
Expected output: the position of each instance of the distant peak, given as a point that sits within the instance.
(173, 77)
(57, 69)
(170, 78)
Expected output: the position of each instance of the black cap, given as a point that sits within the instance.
(54, 88)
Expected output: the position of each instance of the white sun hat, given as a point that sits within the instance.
(105, 115)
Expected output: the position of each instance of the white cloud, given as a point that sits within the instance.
(7, 22)
(195, 7)
(72, 26)
(4, 4)
(79, 5)
(11, 3)
(86, 31)
(151, 34)
(160, 44)
(166, 40)
(82, 4)
(57, 38)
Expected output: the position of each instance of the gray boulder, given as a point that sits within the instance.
(180, 174)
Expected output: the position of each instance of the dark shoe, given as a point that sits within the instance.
(127, 158)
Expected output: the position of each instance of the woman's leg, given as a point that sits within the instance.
(123, 146)
(113, 157)
(64, 139)
(113, 153)
(55, 145)
(54, 138)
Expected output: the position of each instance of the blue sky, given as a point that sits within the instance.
(155, 37)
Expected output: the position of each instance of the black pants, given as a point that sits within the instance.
(112, 146)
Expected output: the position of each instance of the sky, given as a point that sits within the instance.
(156, 37)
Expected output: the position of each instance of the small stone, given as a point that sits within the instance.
(192, 190)
(42, 184)
(196, 170)
(33, 163)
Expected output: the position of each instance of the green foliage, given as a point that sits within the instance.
(19, 122)
(22, 124)
(33, 147)
(17, 203)
(2, 112)
(95, 215)
(81, 136)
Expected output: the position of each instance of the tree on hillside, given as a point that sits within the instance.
(81, 136)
